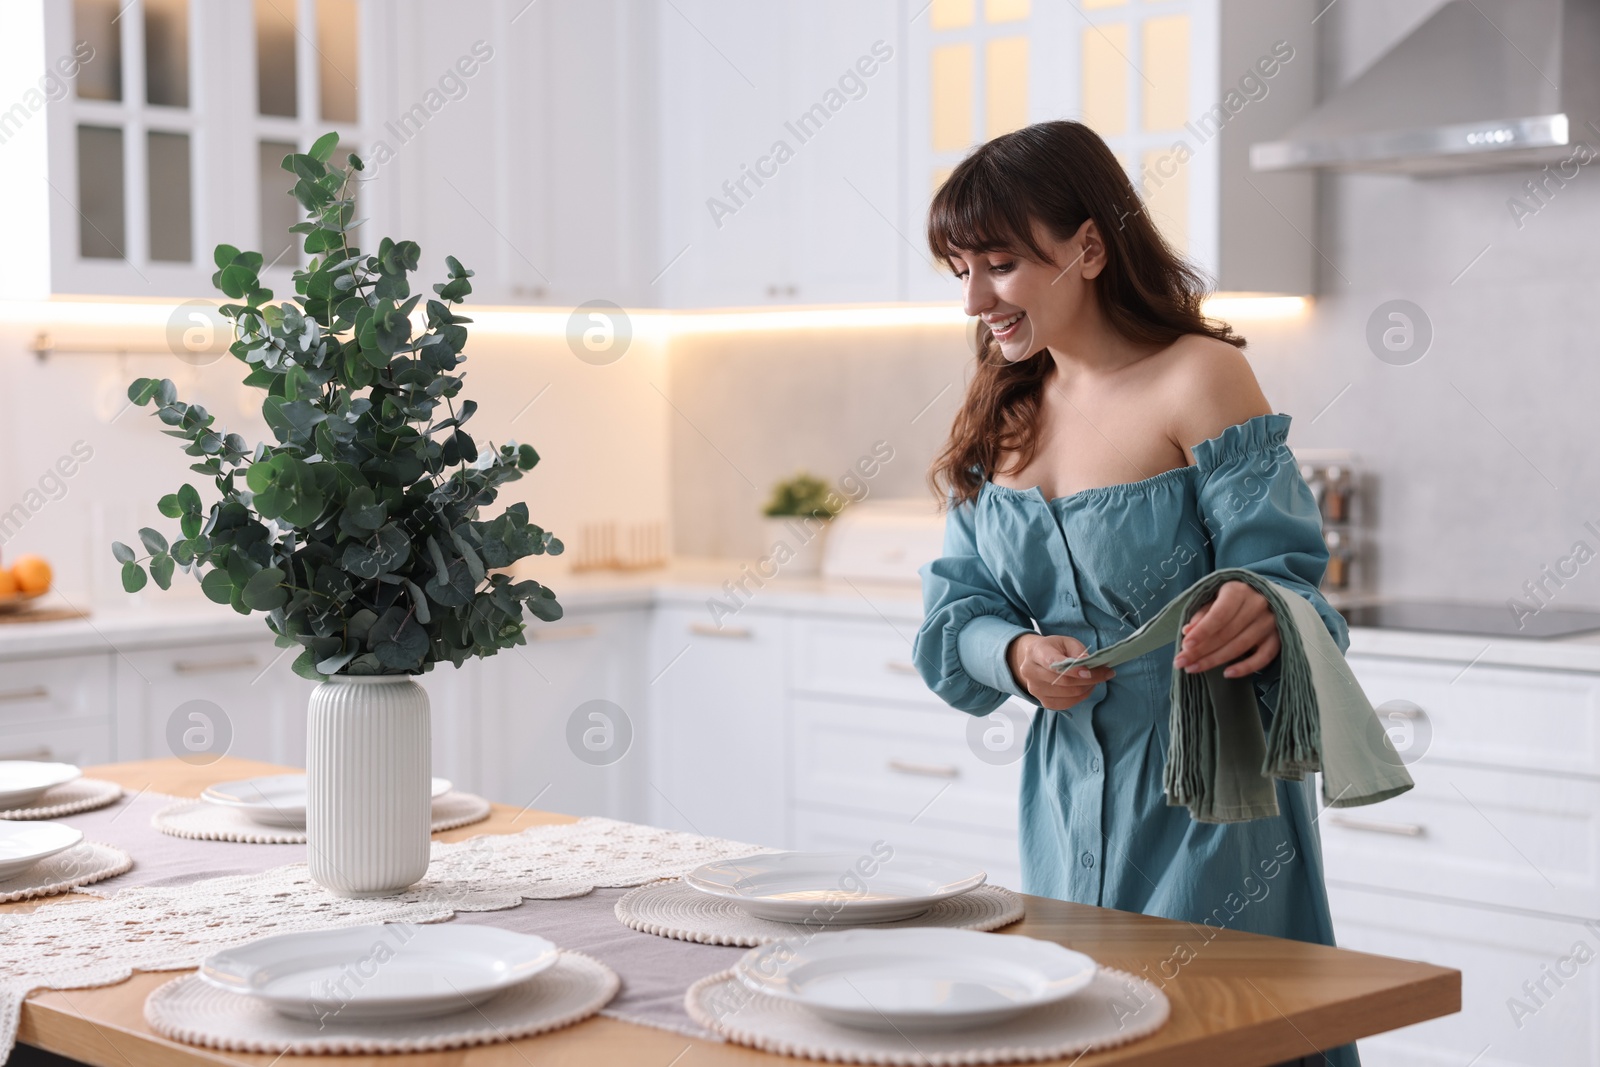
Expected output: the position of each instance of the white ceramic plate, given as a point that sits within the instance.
(22, 844)
(278, 799)
(834, 887)
(922, 978)
(385, 971)
(24, 781)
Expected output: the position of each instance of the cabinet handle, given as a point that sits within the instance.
(42, 753)
(1403, 708)
(565, 633)
(705, 629)
(214, 666)
(1374, 826)
(925, 770)
(900, 666)
(33, 692)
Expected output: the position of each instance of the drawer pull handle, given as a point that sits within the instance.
(1403, 709)
(925, 770)
(215, 666)
(706, 629)
(900, 666)
(565, 633)
(1374, 826)
(41, 753)
(33, 692)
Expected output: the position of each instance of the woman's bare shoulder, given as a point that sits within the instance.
(1208, 385)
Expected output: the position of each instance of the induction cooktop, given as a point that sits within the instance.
(1459, 617)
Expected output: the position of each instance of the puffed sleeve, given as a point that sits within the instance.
(960, 649)
(1261, 515)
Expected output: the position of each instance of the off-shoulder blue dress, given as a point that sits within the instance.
(1094, 823)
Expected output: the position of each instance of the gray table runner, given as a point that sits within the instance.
(655, 971)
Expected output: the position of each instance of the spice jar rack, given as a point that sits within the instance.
(1336, 483)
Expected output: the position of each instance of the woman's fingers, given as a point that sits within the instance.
(1240, 644)
(1264, 654)
(1235, 605)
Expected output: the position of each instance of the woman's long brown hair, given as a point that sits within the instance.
(1059, 173)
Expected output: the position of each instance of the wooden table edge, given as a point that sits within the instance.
(1434, 993)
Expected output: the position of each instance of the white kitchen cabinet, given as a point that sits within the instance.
(56, 708)
(855, 658)
(1482, 836)
(908, 763)
(236, 698)
(1539, 721)
(1172, 86)
(780, 153)
(147, 133)
(561, 717)
(834, 831)
(1506, 1020)
(1491, 864)
(455, 723)
(717, 725)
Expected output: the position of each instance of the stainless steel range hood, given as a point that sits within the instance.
(1481, 85)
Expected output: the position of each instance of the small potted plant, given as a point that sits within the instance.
(796, 522)
(358, 530)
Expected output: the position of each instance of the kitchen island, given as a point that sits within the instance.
(1237, 998)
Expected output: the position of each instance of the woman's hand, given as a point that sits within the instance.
(1030, 657)
(1238, 623)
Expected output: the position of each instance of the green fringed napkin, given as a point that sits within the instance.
(1219, 763)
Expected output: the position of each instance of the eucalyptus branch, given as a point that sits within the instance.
(356, 541)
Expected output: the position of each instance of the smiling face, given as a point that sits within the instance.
(1030, 304)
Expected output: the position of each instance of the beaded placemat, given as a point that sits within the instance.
(1114, 1009)
(80, 865)
(188, 1010)
(69, 798)
(673, 909)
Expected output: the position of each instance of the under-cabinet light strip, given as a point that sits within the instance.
(51, 314)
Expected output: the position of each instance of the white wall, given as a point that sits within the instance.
(599, 431)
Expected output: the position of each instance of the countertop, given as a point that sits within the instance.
(157, 619)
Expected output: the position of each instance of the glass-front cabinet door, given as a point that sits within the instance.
(161, 129)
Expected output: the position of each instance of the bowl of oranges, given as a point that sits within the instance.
(27, 579)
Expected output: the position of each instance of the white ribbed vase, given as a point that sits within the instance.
(369, 775)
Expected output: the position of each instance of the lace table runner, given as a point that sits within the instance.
(167, 916)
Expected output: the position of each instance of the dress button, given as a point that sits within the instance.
(1088, 859)
(1094, 765)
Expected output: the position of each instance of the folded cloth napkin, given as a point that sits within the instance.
(1219, 763)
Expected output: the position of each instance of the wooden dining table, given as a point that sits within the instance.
(1237, 999)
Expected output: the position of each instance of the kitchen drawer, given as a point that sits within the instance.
(252, 702)
(75, 741)
(899, 762)
(831, 831)
(857, 658)
(1494, 837)
(54, 689)
(1538, 720)
(1496, 954)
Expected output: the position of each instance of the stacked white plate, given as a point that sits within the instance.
(24, 781)
(919, 979)
(278, 799)
(363, 974)
(834, 888)
(23, 844)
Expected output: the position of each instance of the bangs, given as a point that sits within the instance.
(977, 210)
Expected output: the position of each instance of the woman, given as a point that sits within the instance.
(1113, 447)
